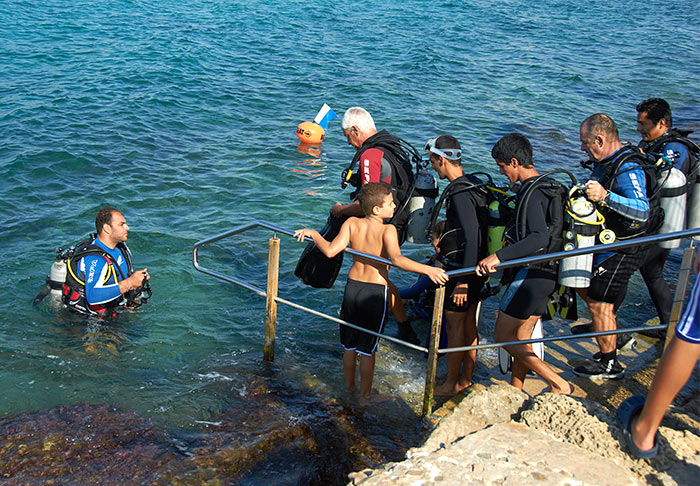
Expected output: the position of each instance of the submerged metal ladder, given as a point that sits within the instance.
(272, 297)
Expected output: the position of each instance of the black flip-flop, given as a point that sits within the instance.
(627, 410)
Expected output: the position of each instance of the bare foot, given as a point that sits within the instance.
(373, 399)
(561, 391)
(446, 390)
(465, 384)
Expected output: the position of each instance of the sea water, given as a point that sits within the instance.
(183, 116)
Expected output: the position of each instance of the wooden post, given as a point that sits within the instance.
(681, 290)
(433, 347)
(273, 261)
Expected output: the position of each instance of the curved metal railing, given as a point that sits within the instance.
(272, 297)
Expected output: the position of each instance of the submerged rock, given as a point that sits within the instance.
(90, 444)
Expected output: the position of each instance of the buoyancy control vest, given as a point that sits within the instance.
(403, 159)
(453, 241)
(74, 287)
(556, 194)
(691, 170)
(625, 227)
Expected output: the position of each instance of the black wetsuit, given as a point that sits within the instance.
(527, 295)
(462, 242)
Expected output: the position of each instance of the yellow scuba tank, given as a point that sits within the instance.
(499, 212)
(583, 222)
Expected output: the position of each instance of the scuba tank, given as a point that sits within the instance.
(500, 211)
(693, 196)
(54, 284)
(420, 207)
(672, 198)
(583, 222)
(57, 277)
(693, 207)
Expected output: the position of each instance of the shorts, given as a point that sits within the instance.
(528, 294)
(611, 276)
(365, 305)
(688, 328)
(473, 293)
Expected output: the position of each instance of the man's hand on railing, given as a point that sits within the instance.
(487, 265)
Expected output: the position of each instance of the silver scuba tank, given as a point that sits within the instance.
(575, 272)
(420, 208)
(693, 207)
(57, 277)
(672, 198)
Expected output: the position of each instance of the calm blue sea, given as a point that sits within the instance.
(183, 115)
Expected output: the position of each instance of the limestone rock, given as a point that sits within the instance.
(504, 454)
(482, 407)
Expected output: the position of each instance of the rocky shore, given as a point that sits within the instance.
(492, 434)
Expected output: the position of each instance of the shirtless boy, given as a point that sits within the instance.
(365, 302)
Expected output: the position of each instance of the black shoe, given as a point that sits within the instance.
(608, 370)
(654, 333)
(406, 333)
(625, 342)
(582, 328)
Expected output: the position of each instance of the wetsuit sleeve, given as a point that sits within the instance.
(96, 291)
(680, 162)
(628, 196)
(463, 203)
(373, 167)
(421, 284)
(536, 234)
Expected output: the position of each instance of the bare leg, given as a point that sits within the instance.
(349, 360)
(366, 374)
(512, 329)
(604, 319)
(471, 338)
(366, 377)
(674, 369)
(397, 307)
(456, 322)
(406, 332)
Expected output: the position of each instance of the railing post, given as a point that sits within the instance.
(273, 261)
(433, 347)
(681, 289)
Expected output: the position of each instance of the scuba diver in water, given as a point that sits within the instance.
(379, 158)
(99, 276)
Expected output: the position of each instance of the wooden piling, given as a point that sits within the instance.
(681, 290)
(433, 347)
(273, 260)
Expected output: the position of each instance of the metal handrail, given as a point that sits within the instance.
(545, 257)
(427, 405)
(645, 240)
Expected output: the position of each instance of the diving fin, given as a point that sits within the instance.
(568, 308)
(314, 268)
(562, 302)
(505, 360)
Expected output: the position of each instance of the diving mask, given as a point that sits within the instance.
(448, 153)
